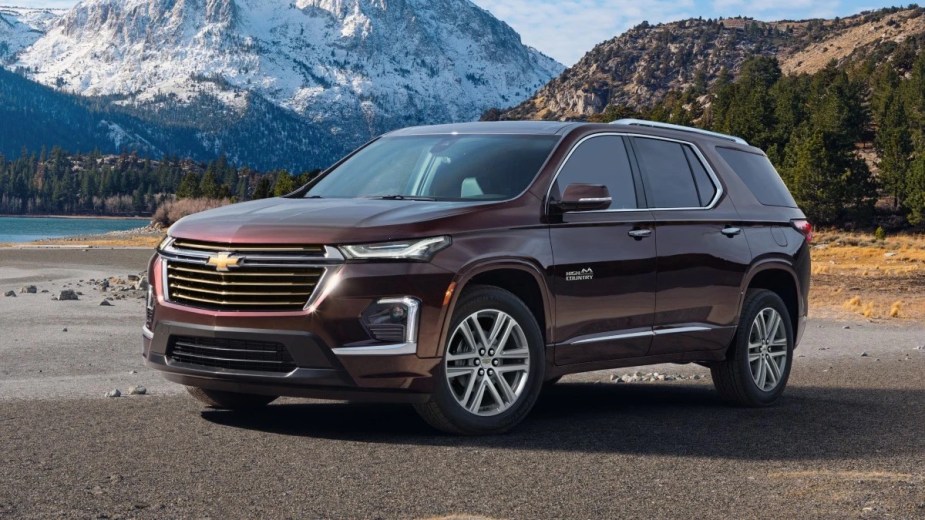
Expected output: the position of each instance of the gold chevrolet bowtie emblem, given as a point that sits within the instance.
(223, 261)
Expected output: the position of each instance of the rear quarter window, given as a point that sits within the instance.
(757, 172)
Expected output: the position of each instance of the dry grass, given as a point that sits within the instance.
(856, 274)
(173, 210)
(99, 241)
(895, 27)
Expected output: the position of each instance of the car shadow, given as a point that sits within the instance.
(669, 419)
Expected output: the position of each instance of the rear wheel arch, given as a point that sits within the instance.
(779, 278)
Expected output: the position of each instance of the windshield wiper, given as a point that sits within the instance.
(401, 197)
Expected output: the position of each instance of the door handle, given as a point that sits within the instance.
(639, 234)
(730, 231)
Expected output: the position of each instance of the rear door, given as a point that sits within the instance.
(702, 253)
(604, 261)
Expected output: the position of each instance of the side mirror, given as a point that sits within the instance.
(584, 197)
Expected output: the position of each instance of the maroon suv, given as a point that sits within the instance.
(462, 267)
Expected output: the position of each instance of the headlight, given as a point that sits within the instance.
(402, 250)
(164, 243)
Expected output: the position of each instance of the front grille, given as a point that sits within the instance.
(244, 289)
(272, 278)
(233, 354)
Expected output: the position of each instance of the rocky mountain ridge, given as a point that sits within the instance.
(640, 67)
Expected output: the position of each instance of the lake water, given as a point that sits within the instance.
(21, 229)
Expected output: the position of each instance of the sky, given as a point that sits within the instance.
(566, 29)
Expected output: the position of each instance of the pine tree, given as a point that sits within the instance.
(263, 188)
(285, 184)
(915, 187)
(189, 187)
(894, 146)
(208, 186)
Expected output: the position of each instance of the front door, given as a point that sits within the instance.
(603, 274)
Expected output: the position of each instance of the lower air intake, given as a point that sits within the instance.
(231, 354)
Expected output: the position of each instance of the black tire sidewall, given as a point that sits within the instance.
(493, 298)
(755, 303)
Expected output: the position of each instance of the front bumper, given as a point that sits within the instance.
(333, 355)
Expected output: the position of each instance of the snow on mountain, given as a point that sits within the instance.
(20, 27)
(354, 68)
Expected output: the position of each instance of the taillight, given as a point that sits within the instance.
(804, 227)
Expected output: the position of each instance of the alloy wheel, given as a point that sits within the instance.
(767, 349)
(487, 362)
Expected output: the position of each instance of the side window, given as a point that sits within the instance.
(601, 160)
(705, 188)
(673, 174)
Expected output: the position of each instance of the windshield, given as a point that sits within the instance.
(439, 167)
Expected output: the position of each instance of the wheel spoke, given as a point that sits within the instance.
(773, 325)
(468, 393)
(502, 322)
(762, 326)
(519, 367)
(762, 375)
(466, 331)
(753, 357)
(465, 356)
(772, 372)
(517, 353)
(506, 390)
(779, 342)
(478, 328)
(454, 372)
(490, 385)
(479, 396)
(779, 354)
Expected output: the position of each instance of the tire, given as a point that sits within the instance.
(473, 400)
(740, 380)
(229, 400)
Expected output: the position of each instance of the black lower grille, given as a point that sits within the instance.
(233, 354)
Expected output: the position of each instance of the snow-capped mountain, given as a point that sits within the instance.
(350, 68)
(20, 27)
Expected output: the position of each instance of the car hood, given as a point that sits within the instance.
(320, 221)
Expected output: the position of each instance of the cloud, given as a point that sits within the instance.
(779, 9)
(567, 29)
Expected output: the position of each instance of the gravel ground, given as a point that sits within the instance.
(845, 442)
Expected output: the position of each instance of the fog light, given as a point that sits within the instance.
(392, 320)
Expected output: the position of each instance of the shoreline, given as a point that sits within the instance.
(77, 217)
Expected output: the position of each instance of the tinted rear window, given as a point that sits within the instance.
(757, 172)
(667, 173)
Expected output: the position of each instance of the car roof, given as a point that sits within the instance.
(566, 127)
(491, 127)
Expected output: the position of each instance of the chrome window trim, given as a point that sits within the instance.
(651, 333)
(702, 158)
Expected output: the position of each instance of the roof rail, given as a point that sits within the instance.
(679, 128)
